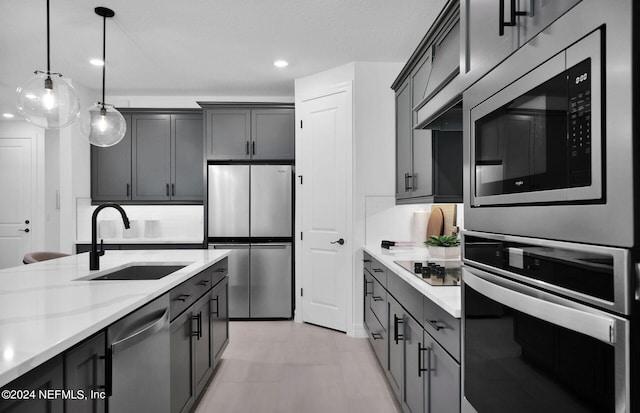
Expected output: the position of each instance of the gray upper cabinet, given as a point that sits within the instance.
(404, 131)
(494, 30)
(228, 134)
(187, 173)
(160, 160)
(245, 132)
(151, 150)
(273, 134)
(427, 169)
(111, 169)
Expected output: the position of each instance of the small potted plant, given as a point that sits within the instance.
(443, 246)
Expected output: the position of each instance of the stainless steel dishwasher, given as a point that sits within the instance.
(138, 368)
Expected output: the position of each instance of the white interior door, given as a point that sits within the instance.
(15, 200)
(326, 205)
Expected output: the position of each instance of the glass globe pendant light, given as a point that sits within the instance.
(102, 123)
(48, 100)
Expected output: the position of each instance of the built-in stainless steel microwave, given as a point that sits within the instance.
(539, 140)
(549, 138)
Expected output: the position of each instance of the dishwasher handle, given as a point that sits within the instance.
(142, 333)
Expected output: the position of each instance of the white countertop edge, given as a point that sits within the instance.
(26, 364)
(447, 298)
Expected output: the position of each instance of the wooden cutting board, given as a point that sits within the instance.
(435, 226)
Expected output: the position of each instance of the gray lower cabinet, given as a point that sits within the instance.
(159, 160)
(442, 378)
(396, 347)
(199, 334)
(417, 343)
(84, 369)
(48, 376)
(238, 132)
(413, 394)
(182, 376)
(219, 319)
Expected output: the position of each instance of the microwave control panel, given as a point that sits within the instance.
(579, 88)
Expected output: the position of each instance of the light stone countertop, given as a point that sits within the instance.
(45, 309)
(448, 298)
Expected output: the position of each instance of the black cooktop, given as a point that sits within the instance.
(435, 272)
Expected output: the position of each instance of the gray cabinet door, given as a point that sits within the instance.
(48, 376)
(272, 132)
(540, 14)
(182, 386)
(396, 346)
(111, 169)
(187, 145)
(270, 286)
(445, 60)
(202, 357)
(84, 369)
(420, 79)
(484, 47)
(413, 396)
(443, 384)
(228, 134)
(368, 290)
(151, 143)
(219, 319)
(403, 141)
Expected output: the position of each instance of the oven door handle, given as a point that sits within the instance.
(597, 326)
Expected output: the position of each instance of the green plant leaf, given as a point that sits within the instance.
(443, 241)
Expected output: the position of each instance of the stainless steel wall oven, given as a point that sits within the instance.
(546, 326)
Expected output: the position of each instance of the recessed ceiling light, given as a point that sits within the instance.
(96, 62)
(8, 115)
(281, 63)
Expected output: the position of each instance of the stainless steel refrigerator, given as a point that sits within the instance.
(250, 212)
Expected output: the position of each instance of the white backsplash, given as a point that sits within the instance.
(149, 223)
(384, 220)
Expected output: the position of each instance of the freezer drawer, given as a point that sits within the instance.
(270, 290)
(238, 278)
(228, 200)
(271, 200)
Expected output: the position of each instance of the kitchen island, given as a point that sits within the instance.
(48, 307)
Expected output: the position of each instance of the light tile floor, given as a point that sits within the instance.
(287, 367)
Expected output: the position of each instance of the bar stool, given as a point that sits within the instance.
(37, 256)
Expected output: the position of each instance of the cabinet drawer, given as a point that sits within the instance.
(219, 270)
(443, 327)
(378, 337)
(406, 295)
(379, 302)
(379, 272)
(189, 291)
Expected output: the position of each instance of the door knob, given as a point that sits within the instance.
(339, 242)
(24, 230)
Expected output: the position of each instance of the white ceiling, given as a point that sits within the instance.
(204, 47)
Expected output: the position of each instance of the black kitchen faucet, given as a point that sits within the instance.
(94, 255)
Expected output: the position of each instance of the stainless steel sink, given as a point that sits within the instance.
(137, 272)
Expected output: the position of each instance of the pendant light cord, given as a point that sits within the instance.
(48, 45)
(104, 54)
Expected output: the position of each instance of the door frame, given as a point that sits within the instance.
(349, 284)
